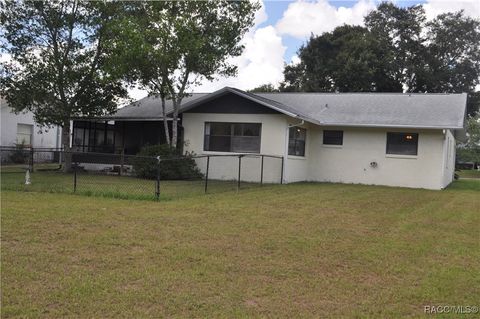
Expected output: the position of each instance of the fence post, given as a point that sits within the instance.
(31, 159)
(261, 173)
(122, 158)
(206, 174)
(281, 173)
(157, 188)
(239, 171)
(75, 177)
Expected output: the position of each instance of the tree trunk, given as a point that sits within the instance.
(175, 129)
(165, 122)
(67, 155)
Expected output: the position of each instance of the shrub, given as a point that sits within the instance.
(173, 165)
(20, 155)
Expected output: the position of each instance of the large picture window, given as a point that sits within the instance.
(296, 141)
(402, 143)
(232, 137)
(332, 137)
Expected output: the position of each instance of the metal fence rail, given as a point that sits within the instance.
(142, 177)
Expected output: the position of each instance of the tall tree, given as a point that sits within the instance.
(57, 67)
(179, 43)
(453, 50)
(399, 33)
(347, 59)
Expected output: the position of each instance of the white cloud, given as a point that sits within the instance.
(136, 93)
(5, 57)
(304, 17)
(436, 7)
(261, 62)
(260, 16)
(295, 60)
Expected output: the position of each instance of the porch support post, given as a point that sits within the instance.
(123, 136)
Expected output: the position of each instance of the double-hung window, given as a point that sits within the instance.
(232, 137)
(296, 141)
(402, 143)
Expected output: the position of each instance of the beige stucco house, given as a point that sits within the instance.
(389, 139)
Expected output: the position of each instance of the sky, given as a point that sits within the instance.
(281, 27)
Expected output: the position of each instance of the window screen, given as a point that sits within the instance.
(332, 137)
(232, 137)
(402, 143)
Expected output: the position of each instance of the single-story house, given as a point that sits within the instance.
(389, 139)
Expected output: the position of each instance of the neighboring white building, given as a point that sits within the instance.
(389, 139)
(18, 128)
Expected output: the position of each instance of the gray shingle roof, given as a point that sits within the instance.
(332, 109)
(148, 108)
(378, 109)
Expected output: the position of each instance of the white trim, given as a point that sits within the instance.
(296, 157)
(401, 156)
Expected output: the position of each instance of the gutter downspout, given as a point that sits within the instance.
(285, 153)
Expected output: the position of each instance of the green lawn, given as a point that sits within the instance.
(298, 250)
(470, 173)
(112, 185)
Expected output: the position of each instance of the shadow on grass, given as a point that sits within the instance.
(465, 185)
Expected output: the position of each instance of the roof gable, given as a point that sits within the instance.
(274, 105)
(229, 103)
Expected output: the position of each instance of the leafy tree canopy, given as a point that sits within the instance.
(57, 67)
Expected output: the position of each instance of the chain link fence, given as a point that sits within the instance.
(135, 177)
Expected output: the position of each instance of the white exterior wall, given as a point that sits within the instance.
(41, 136)
(349, 163)
(449, 149)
